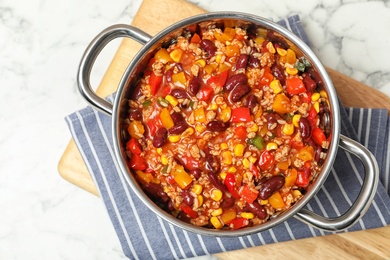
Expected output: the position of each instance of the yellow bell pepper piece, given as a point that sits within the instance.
(176, 54)
(179, 78)
(182, 178)
(199, 115)
(276, 200)
(291, 178)
(228, 215)
(136, 129)
(166, 118)
(163, 55)
(306, 153)
(282, 104)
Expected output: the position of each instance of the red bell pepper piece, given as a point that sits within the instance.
(249, 194)
(137, 162)
(267, 77)
(205, 93)
(195, 38)
(154, 82)
(266, 160)
(303, 177)
(153, 125)
(295, 86)
(318, 136)
(189, 211)
(238, 223)
(133, 146)
(241, 114)
(254, 170)
(230, 183)
(240, 132)
(218, 80)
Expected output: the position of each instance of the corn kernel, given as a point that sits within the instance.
(218, 58)
(174, 138)
(159, 150)
(200, 128)
(224, 146)
(253, 128)
(296, 119)
(296, 193)
(164, 159)
(239, 150)
(323, 94)
(200, 200)
(281, 52)
(213, 106)
(271, 146)
(201, 62)
(288, 129)
(222, 175)
(276, 86)
(216, 194)
(246, 163)
(216, 212)
(292, 71)
(252, 159)
(226, 157)
(216, 223)
(316, 106)
(225, 114)
(232, 169)
(263, 202)
(189, 131)
(172, 100)
(259, 40)
(197, 189)
(315, 97)
(247, 215)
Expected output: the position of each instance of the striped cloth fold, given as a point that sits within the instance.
(143, 235)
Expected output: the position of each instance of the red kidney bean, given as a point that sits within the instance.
(277, 40)
(250, 101)
(273, 184)
(179, 93)
(194, 85)
(272, 120)
(168, 75)
(304, 128)
(257, 209)
(314, 75)
(160, 137)
(253, 62)
(234, 80)
(278, 72)
(310, 84)
(242, 61)
(228, 202)
(187, 198)
(217, 126)
(177, 118)
(212, 164)
(325, 123)
(170, 206)
(156, 192)
(317, 153)
(239, 91)
(178, 129)
(324, 108)
(196, 173)
(216, 182)
(137, 93)
(135, 114)
(209, 47)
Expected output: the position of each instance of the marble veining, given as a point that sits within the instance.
(41, 42)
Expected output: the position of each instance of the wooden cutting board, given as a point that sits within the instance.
(153, 16)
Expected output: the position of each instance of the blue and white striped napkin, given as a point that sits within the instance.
(143, 235)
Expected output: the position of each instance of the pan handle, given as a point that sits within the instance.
(92, 52)
(362, 202)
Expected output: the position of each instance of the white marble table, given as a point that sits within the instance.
(41, 42)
